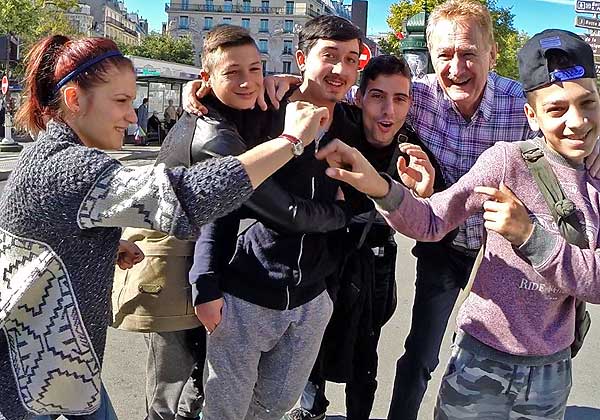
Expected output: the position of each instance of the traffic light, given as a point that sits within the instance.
(9, 48)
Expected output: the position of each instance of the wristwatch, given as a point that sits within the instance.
(297, 145)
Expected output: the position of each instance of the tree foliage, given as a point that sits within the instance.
(31, 20)
(509, 39)
(163, 47)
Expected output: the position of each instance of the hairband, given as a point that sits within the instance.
(80, 69)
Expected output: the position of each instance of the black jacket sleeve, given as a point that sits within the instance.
(214, 248)
(270, 203)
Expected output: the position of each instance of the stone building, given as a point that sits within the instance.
(273, 23)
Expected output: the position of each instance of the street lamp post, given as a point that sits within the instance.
(7, 144)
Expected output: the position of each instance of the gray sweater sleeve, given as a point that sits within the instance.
(175, 201)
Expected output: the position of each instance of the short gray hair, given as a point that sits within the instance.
(461, 11)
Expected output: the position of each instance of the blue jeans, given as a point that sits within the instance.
(105, 412)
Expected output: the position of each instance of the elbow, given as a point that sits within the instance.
(307, 222)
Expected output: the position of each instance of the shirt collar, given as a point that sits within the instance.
(59, 130)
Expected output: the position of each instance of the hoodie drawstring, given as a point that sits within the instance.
(529, 379)
(512, 378)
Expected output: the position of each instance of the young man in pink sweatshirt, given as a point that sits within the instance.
(512, 356)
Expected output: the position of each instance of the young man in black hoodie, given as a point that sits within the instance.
(267, 326)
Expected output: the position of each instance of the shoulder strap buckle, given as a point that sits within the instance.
(532, 155)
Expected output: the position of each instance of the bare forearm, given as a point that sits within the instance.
(263, 160)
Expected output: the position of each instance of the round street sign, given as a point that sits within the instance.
(4, 85)
(365, 56)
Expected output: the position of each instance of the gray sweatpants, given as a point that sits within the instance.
(259, 359)
(475, 387)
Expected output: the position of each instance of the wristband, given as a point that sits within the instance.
(297, 145)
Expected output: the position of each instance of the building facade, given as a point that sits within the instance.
(110, 19)
(80, 17)
(274, 24)
(360, 10)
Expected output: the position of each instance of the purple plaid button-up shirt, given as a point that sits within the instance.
(457, 143)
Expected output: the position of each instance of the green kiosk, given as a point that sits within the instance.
(414, 45)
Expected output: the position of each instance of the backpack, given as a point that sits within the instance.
(563, 211)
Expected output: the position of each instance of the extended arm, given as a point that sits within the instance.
(174, 200)
(425, 220)
(270, 203)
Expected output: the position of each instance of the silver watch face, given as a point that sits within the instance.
(297, 148)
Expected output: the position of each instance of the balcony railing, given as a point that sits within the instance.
(120, 25)
(234, 8)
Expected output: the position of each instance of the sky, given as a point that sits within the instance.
(531, 16)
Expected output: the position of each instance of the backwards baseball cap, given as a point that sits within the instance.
(533, 59)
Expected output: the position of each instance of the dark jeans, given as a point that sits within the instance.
(441, 272)
(174, 369)
(360, 391)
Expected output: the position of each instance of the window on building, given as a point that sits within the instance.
(210, 7)
(208, 23)
(226, 21)
(246, 6)
(287, 46)
(185, 4)
(263, 45)
(246, 23)
(289, 7)
(228, 6)
(264, 6)
(288, 26)
(287, 66)
(264, 25)
(184, 22)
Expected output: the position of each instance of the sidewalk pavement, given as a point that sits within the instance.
(128, 155)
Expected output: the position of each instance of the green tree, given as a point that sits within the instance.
(30, 20)
(163, 47)
(508, 38)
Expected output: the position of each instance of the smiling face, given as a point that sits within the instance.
(461, 58)
(236, 78)
(100, 115)
(330, 68)
(568, 114)
(384, 107)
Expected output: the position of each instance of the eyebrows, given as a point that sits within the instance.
(460, 48)
(383, 92)
(125, 94)
(336, 49)
(558, 101)
(238, 65)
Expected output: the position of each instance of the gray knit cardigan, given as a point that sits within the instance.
(61, 215)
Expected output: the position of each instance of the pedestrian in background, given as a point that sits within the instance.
(170, 115)
(142, 121)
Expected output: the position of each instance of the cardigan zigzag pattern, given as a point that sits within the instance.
(61, 215)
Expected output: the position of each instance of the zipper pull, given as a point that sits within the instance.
(320, 136)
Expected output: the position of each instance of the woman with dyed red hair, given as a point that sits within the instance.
(61, 215)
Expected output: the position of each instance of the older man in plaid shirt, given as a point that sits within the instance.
(458, 112)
